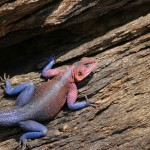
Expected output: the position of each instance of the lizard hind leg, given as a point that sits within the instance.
(26, 91)
(35, 130)
(25, 96)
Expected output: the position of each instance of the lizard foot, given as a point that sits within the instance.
(4, 79)
(24, 143)
(51, 58)
(90, 103)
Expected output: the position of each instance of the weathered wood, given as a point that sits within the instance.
(117, 34)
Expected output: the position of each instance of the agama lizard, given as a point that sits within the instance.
(34, 105)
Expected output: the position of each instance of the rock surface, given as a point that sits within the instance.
(117, 34)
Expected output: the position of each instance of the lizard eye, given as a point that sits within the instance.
(87, 65)
(79, 73)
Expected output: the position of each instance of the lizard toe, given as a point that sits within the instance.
(51, 58)
(89, 102)
(23, 142)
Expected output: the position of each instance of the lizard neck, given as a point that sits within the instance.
(69, 74)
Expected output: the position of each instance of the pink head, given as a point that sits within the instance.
(83, 68)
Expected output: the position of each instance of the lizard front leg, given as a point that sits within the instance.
(26, 91)
(47, 72)
(72, 96)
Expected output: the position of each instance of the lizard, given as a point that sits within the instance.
(37, 104)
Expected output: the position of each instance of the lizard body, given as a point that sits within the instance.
(44, 102)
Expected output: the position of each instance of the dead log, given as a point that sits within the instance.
(114, 32)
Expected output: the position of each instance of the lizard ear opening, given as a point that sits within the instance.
(79, 73)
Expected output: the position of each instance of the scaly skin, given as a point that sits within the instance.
(44, 102)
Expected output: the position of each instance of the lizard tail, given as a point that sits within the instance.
(11, 116)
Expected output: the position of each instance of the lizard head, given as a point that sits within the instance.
(83, 68)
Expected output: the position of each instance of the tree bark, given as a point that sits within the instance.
(117, 34)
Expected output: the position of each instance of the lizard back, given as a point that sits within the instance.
(49, 98)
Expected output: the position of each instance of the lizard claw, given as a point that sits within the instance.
(4, 79)
(23, 143)
(90, 103)
(51, 58)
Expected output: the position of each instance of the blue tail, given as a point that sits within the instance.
(11, 116)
